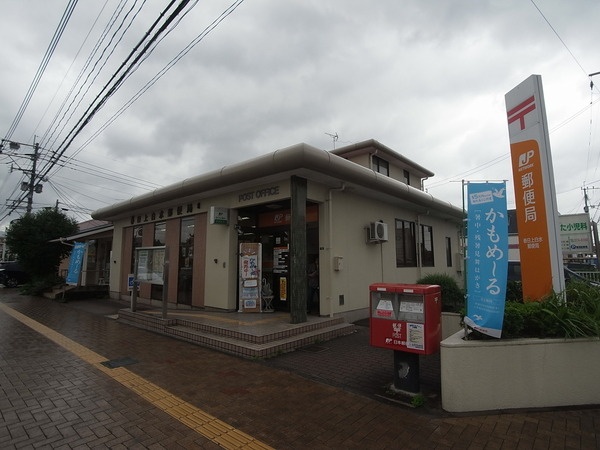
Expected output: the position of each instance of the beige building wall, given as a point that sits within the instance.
(349, 264)
(347, 290)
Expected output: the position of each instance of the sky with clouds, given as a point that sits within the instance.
(425, 78)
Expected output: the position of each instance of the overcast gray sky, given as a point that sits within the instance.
(425, 78)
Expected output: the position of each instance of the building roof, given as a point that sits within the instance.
(92, 224)
(374, 147)
(89, 229)
(301, 160)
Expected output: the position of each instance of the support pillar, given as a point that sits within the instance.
(298, 257)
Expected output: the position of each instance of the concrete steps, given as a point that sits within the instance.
(263, 343)
(57, 292)
(76, 292)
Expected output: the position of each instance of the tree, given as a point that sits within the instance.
(29, 238)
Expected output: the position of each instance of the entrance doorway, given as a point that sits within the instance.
(269, 225)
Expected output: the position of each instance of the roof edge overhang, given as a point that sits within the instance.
(289, 159)
(104, 231)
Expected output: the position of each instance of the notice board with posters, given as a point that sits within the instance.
(250, 277)
(150, 264)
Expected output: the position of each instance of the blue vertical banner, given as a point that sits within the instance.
(487, 257)
(75, 263)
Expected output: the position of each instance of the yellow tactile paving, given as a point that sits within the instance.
(201, 422)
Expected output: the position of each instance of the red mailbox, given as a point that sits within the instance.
(406, 317)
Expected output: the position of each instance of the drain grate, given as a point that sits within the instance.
(119, 362)
(314, 349)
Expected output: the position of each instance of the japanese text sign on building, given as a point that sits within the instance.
(249, 267)
(575, 234)
(535, 193)
(250, 277)
(487, 257)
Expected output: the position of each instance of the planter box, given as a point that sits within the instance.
(518, 373)
(450, 324)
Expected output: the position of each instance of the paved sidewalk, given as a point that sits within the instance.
(53, 394)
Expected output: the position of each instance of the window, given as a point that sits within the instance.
(186, 261)
(448, 252)
(427, 246)
(135, 243)
(406, 177)
(160, 232)
(406, 245)
(381, 166)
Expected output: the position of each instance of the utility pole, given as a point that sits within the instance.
(594, 225)
(32, 178)
(586, 208)
(32, 186)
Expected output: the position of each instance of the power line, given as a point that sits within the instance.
(42, 68)
(119, 178)
(51, 161)
(109, 89)
(89, 81)
(97, 104)
(559, 38)
(83, 42)
(145, 56)
(163, 71)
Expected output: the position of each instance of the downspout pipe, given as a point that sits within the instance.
(420, 245)
(330, 237)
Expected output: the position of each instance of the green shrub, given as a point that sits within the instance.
(514, 320)
(514, 291)
(40, 284)
(522, 320)
(453, 297)
(574, 314)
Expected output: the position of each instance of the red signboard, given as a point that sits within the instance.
(284, 217)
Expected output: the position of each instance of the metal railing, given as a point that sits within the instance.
(589, 275)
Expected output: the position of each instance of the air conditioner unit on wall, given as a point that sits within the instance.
(378, 232)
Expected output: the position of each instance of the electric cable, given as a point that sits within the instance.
(145, 56)
(58, 154)
(42, 67)
(68, 201)
(52, 128)
(97, 67)
(559, 38)
(57, 90)
(108, 91)
(162, 72)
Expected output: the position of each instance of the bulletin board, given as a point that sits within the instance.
(150, 264)
(250, 277)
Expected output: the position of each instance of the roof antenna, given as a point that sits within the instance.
(334, 137)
